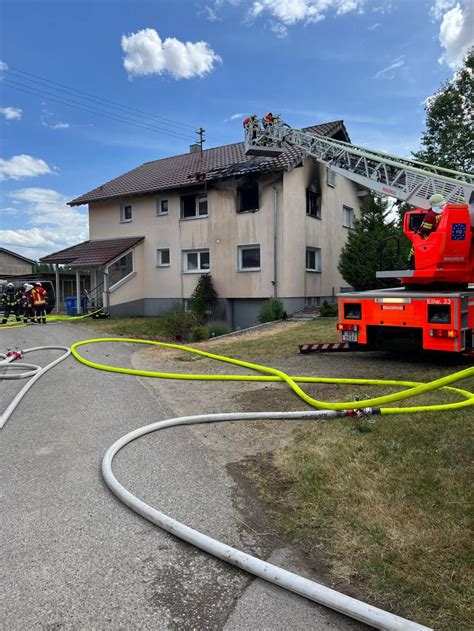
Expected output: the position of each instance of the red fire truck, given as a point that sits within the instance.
(433, 309)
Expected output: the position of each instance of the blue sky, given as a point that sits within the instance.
(198, 63)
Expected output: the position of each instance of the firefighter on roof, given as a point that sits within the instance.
(11, 301)
(429, 224)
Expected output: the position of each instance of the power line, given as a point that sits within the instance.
(91, 97)
(91, 109)
(86, 96)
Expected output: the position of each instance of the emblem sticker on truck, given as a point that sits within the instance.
(458, 231)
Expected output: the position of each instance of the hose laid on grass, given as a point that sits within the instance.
(313, 591)
(272, 374)
(36, 374)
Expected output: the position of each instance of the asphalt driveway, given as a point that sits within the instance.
(73, 557)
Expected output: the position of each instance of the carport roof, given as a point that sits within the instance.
(92, 253)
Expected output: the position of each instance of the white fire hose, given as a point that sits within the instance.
(356, 609)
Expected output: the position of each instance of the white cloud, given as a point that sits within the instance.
(22, 166)
(289, 12)
(11, 113)
(279, 29)
(47, 119)
(456, 31)
(3, 66)
(211, 13)
(439, 7)
(146, 54)
(236, 116)
(388, 72)
(50, 224)
(373, 27)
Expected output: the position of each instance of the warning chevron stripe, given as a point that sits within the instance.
(324, 347)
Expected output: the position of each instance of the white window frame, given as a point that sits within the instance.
(199, 270)
(159, 201)
(196, 215)
(317, 250)
(159, 262)
(331, 177)
(125, 278)
(352, 222)
(122, 213)
(248, 246)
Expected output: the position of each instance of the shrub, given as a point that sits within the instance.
(271, 310)
(199, 333)
(328, 310)
(204, 297)
(215, 329)
(178, 323)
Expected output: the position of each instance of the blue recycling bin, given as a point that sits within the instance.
(71, 305)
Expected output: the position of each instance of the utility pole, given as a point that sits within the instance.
(200, 132)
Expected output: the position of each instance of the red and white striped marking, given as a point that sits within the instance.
(329, 346)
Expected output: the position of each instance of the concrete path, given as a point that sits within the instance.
(73, 557)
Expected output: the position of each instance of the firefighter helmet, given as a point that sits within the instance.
(437, 201)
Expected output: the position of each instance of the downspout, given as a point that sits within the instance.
(275, 242)
(78, 292)
(58, 288)
(106, 290)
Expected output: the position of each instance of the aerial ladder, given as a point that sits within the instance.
(434, 307)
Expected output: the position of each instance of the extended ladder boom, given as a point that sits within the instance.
(381, 172)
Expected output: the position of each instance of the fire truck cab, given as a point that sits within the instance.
(434, 309)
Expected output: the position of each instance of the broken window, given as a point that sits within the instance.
(313, 203)
(247, 196)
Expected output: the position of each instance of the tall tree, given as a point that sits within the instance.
(361, 255)
(449, 137)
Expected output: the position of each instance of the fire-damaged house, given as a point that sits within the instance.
(262, 227)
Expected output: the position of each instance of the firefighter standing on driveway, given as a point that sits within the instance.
(39, 298)
(26, 303)
(429, 224)
(11, 301)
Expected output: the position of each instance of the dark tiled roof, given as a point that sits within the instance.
(191, 168)
(92, 253)
(16, 255)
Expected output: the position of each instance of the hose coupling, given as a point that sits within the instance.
(15, 354)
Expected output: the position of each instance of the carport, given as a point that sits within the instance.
(94, 259)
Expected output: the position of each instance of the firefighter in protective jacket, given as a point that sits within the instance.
(11, 301)
(26, 303)
(39, 299)
(430, 223)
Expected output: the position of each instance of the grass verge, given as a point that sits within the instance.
(280, 340)
(389, 505)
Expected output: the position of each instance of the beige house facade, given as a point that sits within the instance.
(261, 227)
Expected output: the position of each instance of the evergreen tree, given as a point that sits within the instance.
(449, 138)
(361, 255)
(204, 297)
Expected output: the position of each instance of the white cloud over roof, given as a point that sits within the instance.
(50, 224)
(147, 54)
(23, 166)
